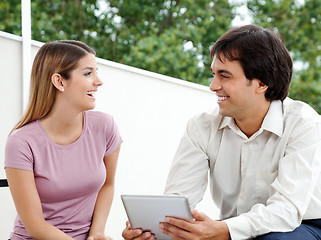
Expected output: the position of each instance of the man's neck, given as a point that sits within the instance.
(252, 123)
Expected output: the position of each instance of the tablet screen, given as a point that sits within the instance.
(146, 212)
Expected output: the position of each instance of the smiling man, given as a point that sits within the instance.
(260, 149)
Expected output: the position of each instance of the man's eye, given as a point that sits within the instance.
(224, 76)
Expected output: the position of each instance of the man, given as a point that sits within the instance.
(262, 149)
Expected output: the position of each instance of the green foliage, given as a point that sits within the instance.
(149, 34)
(300, 28)
(154, 34)
(10, 16)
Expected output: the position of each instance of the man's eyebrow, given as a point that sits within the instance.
(224, 71)
(221, 71)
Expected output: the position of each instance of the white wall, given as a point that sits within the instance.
(10, 111)
(150, 109)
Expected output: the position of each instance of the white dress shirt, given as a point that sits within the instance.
(266, 183)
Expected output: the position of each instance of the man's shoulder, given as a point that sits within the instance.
(300, 110)
(207, 119)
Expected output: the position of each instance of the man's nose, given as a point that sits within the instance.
(215, 84)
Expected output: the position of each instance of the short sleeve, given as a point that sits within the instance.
(113, 138)
(18, 153)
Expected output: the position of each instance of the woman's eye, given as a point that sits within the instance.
(87, 73)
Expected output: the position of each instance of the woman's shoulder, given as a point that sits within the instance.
(99, 120)
(97, 115)
(22, 138)
(29, 130)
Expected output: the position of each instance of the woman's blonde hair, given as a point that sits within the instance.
(53, 57)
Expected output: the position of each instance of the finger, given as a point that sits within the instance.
(129, 233)
(144, 236)
(180, 223)
(128, 225)
(173, 231)
(199, 216)
(194, 212)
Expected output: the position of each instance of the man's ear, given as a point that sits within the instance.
(261, 87)
(57, 81)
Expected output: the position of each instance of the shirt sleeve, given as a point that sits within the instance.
(189, 170)
(113, 139)
(18, 153)
(290, 193)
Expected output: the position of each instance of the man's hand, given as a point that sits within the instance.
(202, 228)
(136, 234)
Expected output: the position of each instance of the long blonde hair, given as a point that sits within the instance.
(53, 57)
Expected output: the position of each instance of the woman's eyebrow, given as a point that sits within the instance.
(89, 68)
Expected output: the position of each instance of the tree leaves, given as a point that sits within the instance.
(299, 24)
(173, 37)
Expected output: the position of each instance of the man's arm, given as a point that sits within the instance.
(188, 175)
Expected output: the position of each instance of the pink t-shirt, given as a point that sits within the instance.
(68, 177)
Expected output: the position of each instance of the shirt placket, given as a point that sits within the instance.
(245, 151)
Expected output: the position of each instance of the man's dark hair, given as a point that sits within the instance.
(262, 55)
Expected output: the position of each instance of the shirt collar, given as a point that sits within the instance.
(273, 121)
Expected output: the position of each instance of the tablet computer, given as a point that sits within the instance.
(146, 211)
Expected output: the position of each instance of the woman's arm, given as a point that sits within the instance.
(26, 199)
(105, 197)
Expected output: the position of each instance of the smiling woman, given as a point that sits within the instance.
(57, 143)
(82, 82)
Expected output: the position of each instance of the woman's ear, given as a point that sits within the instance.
(57, 81)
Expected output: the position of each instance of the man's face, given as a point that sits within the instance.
(237, 96)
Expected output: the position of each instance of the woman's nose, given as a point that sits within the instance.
(98, 82)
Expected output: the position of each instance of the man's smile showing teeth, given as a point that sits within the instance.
(221, 99)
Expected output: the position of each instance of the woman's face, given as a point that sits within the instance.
(80, 88)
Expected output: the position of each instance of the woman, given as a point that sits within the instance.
(61, 159)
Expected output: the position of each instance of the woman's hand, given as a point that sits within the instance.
(99, 236)
(136, 234)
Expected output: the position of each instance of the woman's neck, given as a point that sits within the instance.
(63, 127)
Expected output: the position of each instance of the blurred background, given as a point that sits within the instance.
(173, 37)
